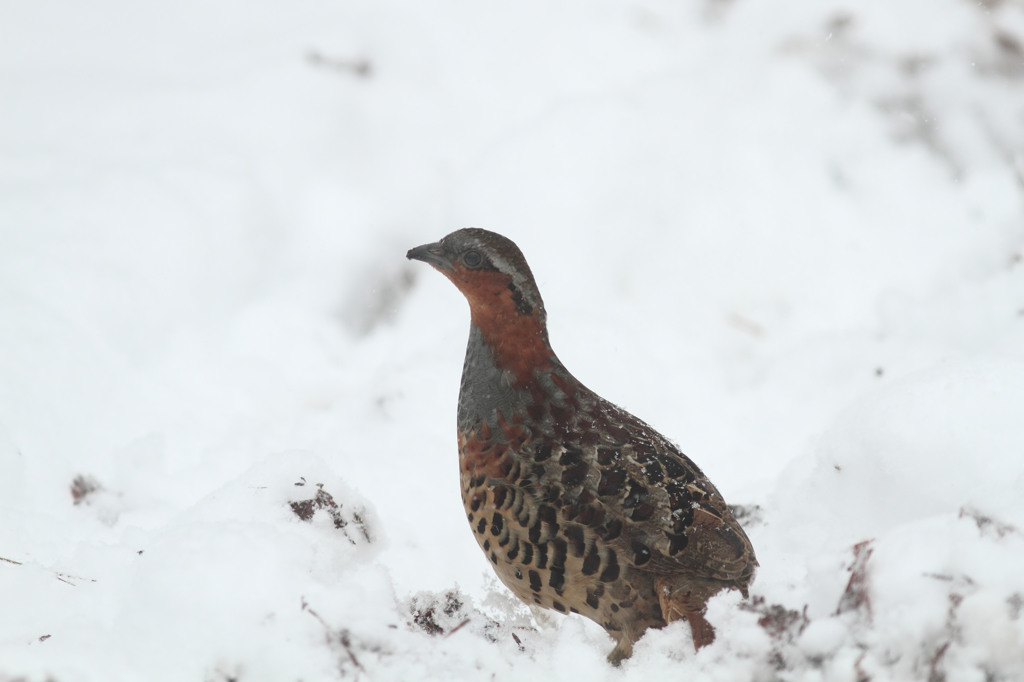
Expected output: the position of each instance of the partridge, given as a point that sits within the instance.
(580, 506)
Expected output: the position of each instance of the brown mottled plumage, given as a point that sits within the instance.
(580, 506)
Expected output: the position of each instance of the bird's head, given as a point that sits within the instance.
(490, 271)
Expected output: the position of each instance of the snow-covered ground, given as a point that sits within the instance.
(789, 235)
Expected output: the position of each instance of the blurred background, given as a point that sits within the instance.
(788, 235)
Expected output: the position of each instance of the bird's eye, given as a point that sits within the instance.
(472, 259)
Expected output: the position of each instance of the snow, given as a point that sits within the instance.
(788, 236)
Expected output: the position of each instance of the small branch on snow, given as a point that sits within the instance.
(63, 577)
(987, 523)
(305, 607)
(456, 628)
(361, 68)
(945, 577)
(67, 578)
(342, 636)
(855, 596)
(937, 672)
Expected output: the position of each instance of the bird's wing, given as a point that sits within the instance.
(637, 493)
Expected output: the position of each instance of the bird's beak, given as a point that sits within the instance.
(432, 254)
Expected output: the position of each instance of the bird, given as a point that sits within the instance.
(579, 506)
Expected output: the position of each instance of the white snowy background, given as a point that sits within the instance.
(789, 235)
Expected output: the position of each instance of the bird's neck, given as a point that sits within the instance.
(517, 343)
(507, 363)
